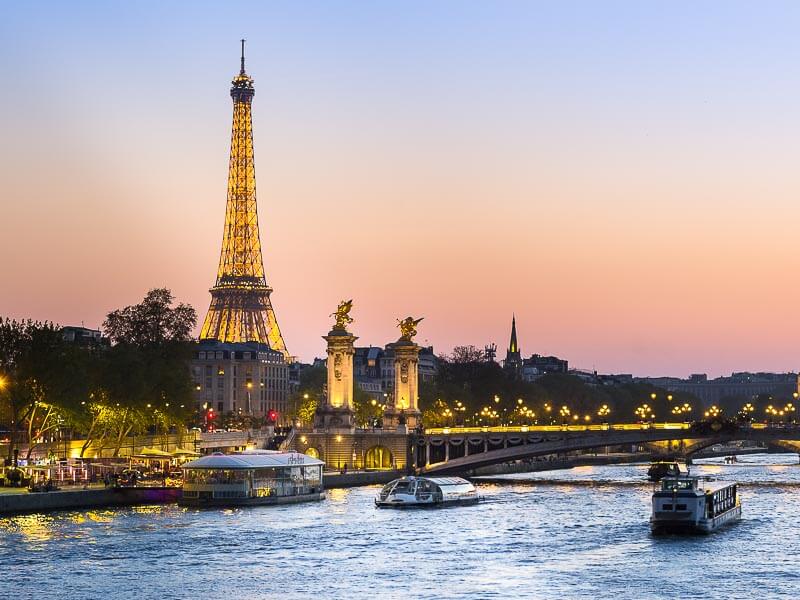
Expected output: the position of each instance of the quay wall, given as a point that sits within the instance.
(347, 480)
(82, 499)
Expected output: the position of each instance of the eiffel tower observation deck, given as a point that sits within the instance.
(241, 309)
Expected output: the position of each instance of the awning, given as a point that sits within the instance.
(153, 453)
(184, 452)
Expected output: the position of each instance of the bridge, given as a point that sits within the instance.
(454, 450)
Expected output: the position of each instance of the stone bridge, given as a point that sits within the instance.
(458, 450)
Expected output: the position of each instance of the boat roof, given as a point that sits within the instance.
(436, 480)
(253, 460)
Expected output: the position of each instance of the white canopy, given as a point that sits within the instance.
(253, 461)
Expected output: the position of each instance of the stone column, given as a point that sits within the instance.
(337, 412)
(405, 411)
(340, 369)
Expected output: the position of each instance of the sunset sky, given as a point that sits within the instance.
(621, 175)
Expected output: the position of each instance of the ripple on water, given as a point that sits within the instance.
(568, 534)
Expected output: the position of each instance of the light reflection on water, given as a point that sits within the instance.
(572, 534)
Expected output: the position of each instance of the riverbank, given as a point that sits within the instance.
(19, 500)
(26, 502)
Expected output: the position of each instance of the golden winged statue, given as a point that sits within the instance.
(408, 328)
(342, 315)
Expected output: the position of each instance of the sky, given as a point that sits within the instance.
(620, 175)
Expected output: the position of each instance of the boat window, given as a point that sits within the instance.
(680, 507)
(667, 507)
(669, 485)
(403, 487)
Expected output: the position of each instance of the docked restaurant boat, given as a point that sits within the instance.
(426, 491)
(252, 478)
(691, 504)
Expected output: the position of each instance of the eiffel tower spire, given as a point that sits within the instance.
(241, 310)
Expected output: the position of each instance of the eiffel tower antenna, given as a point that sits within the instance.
(241, 309)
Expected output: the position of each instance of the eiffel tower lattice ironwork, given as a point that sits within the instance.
(241, 309)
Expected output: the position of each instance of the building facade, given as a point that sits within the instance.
(737, 385)
(244, 379)
(374, 369)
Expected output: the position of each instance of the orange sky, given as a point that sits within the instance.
(631, 195)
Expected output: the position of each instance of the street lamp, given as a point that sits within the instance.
(644, 412)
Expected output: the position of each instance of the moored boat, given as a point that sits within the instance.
(252, 478)
(414, 491)
(691, 504)
(661, 468)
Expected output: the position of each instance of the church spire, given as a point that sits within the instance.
(513, 361)
(513, 346)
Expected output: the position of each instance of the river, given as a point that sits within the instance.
(576, 533)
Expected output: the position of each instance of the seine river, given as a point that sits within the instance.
(579, 533)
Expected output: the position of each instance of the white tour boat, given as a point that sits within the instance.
(426, 491)
(690, 503)
(252, 478)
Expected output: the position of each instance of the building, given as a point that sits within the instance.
(374, 372)
(247, 379)
(84, 337)
(737, 385)
(537, 366)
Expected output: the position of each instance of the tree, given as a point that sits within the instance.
(47, 378)
(311, 388)
(365, 408)
(467, 354)
(145, 375)
(151, 322)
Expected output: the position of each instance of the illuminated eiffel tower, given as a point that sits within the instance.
(241, 310)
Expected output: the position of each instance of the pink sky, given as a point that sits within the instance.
(632, 197)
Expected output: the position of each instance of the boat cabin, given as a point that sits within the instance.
(694, 500)
(258, 477)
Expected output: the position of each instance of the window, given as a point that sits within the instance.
(680, 507)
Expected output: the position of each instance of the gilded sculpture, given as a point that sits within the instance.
(342, 315)
(408, 328)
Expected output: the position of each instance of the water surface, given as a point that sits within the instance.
(560, 534)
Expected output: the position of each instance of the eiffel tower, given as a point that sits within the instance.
(241, 310)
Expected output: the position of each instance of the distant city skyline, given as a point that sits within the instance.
(619, 176)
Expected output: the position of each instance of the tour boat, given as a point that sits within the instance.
(688, 503)
(661, 468)
(426, 491)
(252, 478)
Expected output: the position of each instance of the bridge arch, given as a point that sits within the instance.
(378, 457)
(312, 452)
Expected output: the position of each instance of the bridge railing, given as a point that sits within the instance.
(544, 428)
